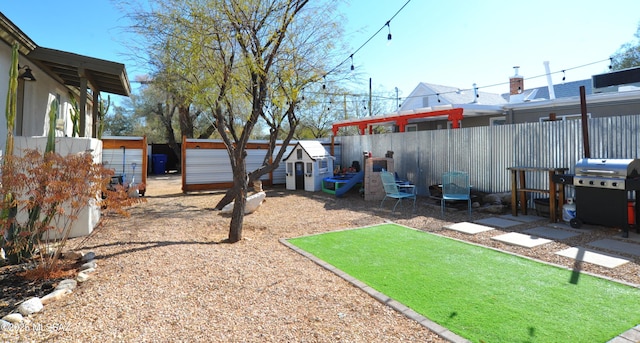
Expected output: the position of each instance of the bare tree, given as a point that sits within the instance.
(245, 63)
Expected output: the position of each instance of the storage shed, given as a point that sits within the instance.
(306, 165)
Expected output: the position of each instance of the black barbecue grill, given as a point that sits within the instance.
(603, 189)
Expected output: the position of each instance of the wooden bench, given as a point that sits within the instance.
(519, 190)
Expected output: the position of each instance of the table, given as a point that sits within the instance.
(519, 190)
(406, 187)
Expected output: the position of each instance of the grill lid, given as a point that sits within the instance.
(611, 168)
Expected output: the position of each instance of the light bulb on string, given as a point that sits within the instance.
(389, 30)
(564, 76)
(438, 96)
(610, 63)
(352, 67)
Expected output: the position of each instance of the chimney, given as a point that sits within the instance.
(516, 83)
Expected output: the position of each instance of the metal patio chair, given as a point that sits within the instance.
(455, 186)
(392, 190)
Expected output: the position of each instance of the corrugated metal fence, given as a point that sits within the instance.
(487, 152)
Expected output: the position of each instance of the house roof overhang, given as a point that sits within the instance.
(69, 68)
(402, 118)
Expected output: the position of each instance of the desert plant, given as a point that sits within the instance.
(9, 211)
(50, 191)
(75, 116)
(103, 108)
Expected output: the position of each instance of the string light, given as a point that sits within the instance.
(564, 76)
(389, 27)
(352, 67)
(610, 63)
(387, 24)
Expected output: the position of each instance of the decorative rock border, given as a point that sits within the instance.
(35, 304)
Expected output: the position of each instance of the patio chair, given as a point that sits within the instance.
(392, 190)
(455, 186)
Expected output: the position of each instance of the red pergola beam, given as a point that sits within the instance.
(454, 115)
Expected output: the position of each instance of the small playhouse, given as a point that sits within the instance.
(306, 165)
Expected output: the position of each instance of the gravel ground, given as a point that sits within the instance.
(165, 275)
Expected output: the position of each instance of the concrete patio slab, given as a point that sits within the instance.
(583, 228)
(467, 227)
(498, 222)
(617, 246)
(524, 218)
(552, 233)
(593, 256)
(520, 239)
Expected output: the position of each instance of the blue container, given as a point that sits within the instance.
(159, 163)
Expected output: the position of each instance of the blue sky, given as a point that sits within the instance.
(454, 43)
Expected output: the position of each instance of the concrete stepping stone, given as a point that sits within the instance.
(617, 246)
(498, 222)
(523, 218)
(592, 256)
(520, 239)
(469, 228)
(552, 233)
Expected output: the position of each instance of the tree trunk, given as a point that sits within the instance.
(237, 216)
(228, 197)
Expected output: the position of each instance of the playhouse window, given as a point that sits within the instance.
(289, 168)
(299, 153)
(322, 165)
(309, 168)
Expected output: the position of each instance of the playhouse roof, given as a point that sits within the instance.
(314, 149)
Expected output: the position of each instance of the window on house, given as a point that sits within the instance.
(411, 128)
(299, 154)
(565, 117)
(289, 168)
(323, 166)
(309, 168)
(497, 121)
(59, 119)
(425, 101)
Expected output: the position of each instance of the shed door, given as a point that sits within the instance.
(299, 175)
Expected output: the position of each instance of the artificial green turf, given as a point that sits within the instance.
(480, 294)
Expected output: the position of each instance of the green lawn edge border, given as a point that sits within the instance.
(442, 331)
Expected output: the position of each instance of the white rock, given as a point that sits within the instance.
(253, 202)
(69, 284)
(30, 306)
(90, 264)
(55, 295)
(88, 270)
(4, 325)
(82, 277)
(13, 318)
(88, 256)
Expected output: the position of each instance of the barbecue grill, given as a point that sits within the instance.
(603, 188)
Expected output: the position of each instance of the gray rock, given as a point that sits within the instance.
(69, 284)
(90, 264)
(4, 325)
(13, 318)
(88, 256)
(30, 306)
(73, 255)
(492, 199)
(55, 295)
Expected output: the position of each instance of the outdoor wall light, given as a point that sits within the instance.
(26, 75)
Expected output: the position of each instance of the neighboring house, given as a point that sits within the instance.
(430, 107)
(306, 165)
(56, 75)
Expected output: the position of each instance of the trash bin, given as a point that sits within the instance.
(159, 163)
